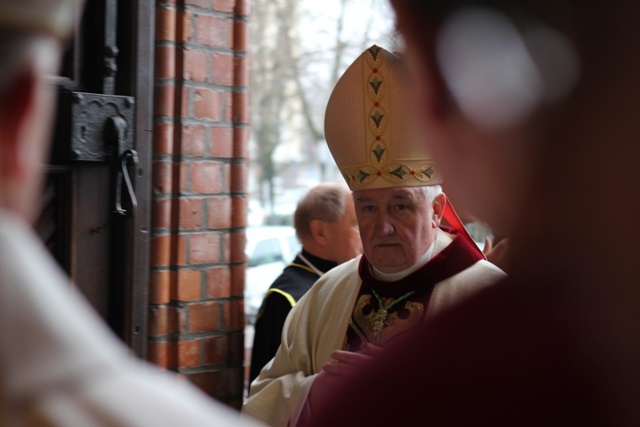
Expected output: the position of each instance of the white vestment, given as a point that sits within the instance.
(316, 326)
(61, 366)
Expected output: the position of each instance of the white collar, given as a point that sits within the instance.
(394, 277)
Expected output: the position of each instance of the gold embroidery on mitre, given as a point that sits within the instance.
(364, 325)
(396, 173)
(378, 123)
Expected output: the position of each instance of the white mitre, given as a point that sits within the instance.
(369, 130)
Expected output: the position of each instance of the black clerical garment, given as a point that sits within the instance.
(296, 279)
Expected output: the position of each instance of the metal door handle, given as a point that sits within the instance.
(128, 158)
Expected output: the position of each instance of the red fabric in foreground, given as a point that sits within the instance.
(513, 355)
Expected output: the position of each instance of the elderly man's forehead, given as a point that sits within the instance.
(402, 193)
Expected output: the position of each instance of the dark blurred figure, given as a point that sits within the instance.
(531, 109)
(327, 228)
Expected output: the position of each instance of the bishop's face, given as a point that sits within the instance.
(397, 226)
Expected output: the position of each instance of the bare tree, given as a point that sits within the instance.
(292, 77)
(273, 23)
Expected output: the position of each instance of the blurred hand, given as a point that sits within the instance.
(497, 254)
(341, 363)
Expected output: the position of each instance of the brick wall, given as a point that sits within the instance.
(196, 315)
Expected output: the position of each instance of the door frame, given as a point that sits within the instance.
(137, 268)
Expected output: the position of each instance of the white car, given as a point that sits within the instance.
(269, 250)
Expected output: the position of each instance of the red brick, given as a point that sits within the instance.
(157, 321)
(161, 213)
(225, 184)
(226, 248)
(222, 69)
(227, 107)
(188, 354)
(219, 212)
(204, 248)
(239, 174)
(184, 31)
(166, 24)
(182, 319)
(241, 71)
(197, 3)
(163, 354)
(243, 7)
(222, 142)
(239, 212)
(238, 274)
(165, 62)
(188, 285)
(240, 142)
(212, 31)
(194, 140)
(163, 320)
(162, 177)
(206, 177)
(161, 250)
(216, 350)
(162, 138)
(196, 66)
(160, 287)
(185, 176)
(241, 36)
(219, 282)
(191, 213)
(207, 382)
(164, 100)
(237, 245)
(233, 381)
(207, 104)
(224, 5)
(181, 256)
(236, 348)
(240, 107)
(239, 316)
(234, 315)
(204, 317)
(186, 103)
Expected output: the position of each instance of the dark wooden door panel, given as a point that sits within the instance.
(105, 252)
(93, 229)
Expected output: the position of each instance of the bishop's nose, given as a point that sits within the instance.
(384, 225)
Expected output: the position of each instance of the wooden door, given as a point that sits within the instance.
(95, 207)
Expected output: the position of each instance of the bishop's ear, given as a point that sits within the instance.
(439, 204)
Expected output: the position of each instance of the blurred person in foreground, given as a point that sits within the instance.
(59, 364)
(531, 109)
(411, 268)
(327, 228)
